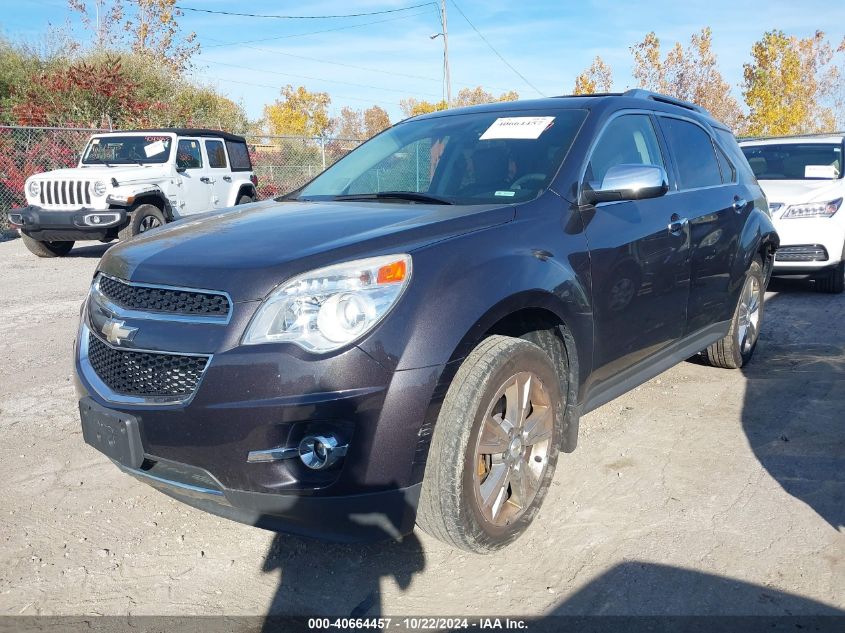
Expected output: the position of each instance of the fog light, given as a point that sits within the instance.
(320, 451)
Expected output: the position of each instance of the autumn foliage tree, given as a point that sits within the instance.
(790, 85)
(299, 112)
(690, 73)
(597, 78)
(360, 124)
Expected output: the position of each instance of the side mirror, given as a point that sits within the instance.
(629, 182)
(181, 170)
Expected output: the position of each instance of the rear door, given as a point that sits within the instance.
(711, 200)
(194, 181)
(218, 172)
(639, 259)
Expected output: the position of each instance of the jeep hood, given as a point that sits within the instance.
(247, 251)
(789, 192)
(125, 174)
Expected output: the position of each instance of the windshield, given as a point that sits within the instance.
(476, 158)
(795, 161)
(127, 150)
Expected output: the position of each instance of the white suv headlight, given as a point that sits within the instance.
(33, 188)
(99, 188)
(813, 209)
(325, 309)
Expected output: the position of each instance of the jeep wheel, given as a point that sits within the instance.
(245, 199)
(143, 218)
(46, 249)
(735, 350)
(833, 283)
(494, 447)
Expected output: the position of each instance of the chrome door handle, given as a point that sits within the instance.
(739, 204)
(206, 179)
(677, 224)
(227, 178)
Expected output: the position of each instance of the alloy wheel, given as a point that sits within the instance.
(147, 223)
(749, 314)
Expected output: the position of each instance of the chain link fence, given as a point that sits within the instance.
(281, 163)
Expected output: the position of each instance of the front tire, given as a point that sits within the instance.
(143, 218)
(834, 283)
(494, 448)
(736, 349)
(46, 249)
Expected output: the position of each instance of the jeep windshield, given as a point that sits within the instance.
(795, 161)
(473, 158)
(127, 150)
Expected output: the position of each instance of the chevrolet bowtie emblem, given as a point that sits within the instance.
(116, 332)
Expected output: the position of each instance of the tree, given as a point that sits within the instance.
(414, 107)
(690, 73)
(477, 95)
(376, 119)
(789, 85)
(350, 124)
(597, 78)
(149, 28)
(300, 113)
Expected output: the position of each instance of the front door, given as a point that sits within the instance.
(194, 182)
(639, 255)
(218, 172)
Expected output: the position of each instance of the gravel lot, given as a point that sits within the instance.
(704, 491)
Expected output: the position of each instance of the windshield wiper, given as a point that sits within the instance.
(412, 196)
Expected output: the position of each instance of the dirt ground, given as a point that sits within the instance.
(704, 491)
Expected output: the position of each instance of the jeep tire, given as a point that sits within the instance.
(142, 218)
(46, 249)
(245, 199)
(494, 448)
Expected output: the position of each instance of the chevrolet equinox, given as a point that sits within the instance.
(412, 336)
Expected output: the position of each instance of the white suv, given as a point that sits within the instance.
(802, 177)
(129, 182)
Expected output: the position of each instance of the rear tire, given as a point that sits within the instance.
(834, 283)
(479, 495)
(245, 199)
(46, 249)
(736, 349)
(143, 218)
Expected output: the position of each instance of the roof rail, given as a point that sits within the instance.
(639, 93)
(811, 135)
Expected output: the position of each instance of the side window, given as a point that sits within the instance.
(739, 160)
(627, 140)
(238, 156)
(693, 152)
(216, 154)
(725, 166)
(188, 154)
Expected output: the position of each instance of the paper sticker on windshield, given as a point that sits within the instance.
(506, 194)
(820, 171)
(519, 127)
(154, 148)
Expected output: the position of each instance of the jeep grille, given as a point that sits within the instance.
(65, 193)
(145, 373)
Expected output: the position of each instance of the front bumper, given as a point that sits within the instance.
(253, 398)
(68, 225)
(807, 238)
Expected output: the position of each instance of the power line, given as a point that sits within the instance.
(338, 28)
(498, 54)
(302, 17)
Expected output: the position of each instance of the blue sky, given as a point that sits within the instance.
(548, 42)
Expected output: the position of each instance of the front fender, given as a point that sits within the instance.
(757, 237)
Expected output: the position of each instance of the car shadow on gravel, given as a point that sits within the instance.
(92, 251)
(794, 407)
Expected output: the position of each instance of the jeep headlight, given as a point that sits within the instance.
(813, 209)
(325, 309)
(33, 188)
(99, 188)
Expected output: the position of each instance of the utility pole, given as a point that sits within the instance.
(447, 78)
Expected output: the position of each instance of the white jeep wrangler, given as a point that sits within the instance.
(129, 182)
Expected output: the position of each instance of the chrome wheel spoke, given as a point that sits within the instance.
(494, 436)
(538, 426)
(524, 484)
(494, 490)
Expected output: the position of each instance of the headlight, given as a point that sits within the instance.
(99, 188)
(33, 188)
(328, 308)
(813, 209)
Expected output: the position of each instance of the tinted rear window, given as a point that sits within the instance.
(693, 152)
(238, 156)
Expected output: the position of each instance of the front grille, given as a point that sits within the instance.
(155, 299)
(73, 193)
(801, 253)
(145, 373)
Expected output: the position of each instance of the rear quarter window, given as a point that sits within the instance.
(693, 152)
(238, 156)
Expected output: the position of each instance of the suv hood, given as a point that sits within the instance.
(247, 251)
(123, 174)
(789, 192)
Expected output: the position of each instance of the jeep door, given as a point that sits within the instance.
(715, 209)
(639, 253)
(194, 182)
(218, 172)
